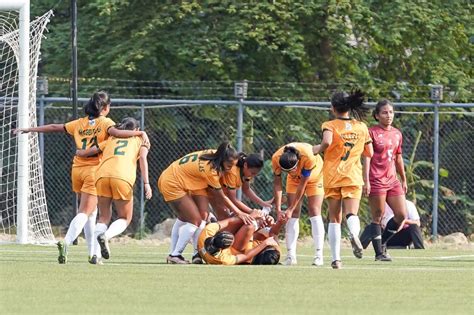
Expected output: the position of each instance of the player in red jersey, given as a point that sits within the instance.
(380, 177)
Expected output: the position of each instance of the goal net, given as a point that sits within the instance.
(33, 222)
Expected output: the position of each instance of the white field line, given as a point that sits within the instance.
(153, 253)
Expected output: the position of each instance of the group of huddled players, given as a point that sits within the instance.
(104, 171)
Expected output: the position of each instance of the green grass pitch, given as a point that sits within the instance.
(137, 281)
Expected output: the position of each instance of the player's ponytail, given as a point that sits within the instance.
(220, 241)
(253, 160)
(354, 102)
(96, 104)
(289, 159)
(128, 123)
(379, 105)
(225, 153)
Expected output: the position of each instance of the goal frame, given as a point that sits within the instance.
(23, 113)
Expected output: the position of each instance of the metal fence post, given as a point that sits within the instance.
(142, 186)
(436, 96)
(240, 92)
(41, 123)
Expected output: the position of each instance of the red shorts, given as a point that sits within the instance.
(394, 190)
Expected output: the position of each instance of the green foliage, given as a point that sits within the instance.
(373, 44)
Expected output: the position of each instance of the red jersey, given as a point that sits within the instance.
(387, 144)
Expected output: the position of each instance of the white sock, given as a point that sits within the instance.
(75, 227)
(317, 231)
(353, 223)
(334, 236)
(185, 234)
(89, 229)
(99, 229)
(116, 228)
(175, 233)
(291, 236)
(196, 236)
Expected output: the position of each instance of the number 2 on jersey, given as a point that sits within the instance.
(121, 144)
(348, 152)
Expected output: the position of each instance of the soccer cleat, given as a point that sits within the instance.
(179, 260)
(318, 261)
(337, 264)
(356, 246)
(94, 260)
(104, 246)
(383, 257)
(62, 248)
(197, 259)
(290, 261)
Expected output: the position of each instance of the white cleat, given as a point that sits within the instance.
(290, 261)
(318, 261)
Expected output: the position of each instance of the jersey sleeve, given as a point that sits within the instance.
(327, 126)
(71, 126)
(229, 180)
(276, 165)
(399, 148)
(367, 138)
(212, 178)
(108, 123)
(143, 144)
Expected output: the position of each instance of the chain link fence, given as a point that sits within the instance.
(177, 128)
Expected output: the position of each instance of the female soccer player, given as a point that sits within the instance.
(304, 178)
(115, 178)
(88, 132)
(185, 186)
(247, 167)
(345, 139)
(380, 177)
(229, 242)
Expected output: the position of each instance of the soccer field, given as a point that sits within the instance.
(137, 281)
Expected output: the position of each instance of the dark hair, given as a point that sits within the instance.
(379, 105)
(268, 256)
(128, 123)
(289, 158)
(354, 102)
(253, 160)
(225, 152)
(96, 104)
(221, 240)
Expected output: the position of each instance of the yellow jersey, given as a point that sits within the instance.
(233, 178)
(342, 165)
(119, 158)
(192, 173)
(223, 257)
(88, 133)
(308, 161)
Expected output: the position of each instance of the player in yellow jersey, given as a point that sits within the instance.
(240, 177)
(185, 186)
(88, 132)
(345, 140)
(304, 171)
(115, 178)
(229, 242)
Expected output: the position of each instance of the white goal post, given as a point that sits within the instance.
(23, 208)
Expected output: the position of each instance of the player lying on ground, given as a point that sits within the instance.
(88, 132)
(231, 242)
(305, 177)
(115, 178)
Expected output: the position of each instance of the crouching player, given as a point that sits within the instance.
(230, 242)
(115, 178)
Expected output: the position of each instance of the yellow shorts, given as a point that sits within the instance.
(83, 179)
(114, 188)
(169, 187)
(199, 192)
(313, 188)
(351, 192)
